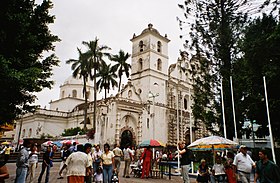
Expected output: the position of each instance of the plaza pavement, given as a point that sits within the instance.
(55, 169)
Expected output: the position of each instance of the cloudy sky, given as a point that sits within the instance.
(114, 22)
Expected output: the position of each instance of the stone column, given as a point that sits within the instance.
(139, 128)
(117, 135)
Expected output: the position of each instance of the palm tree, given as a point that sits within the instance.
(96, 54)
(107, 76)
(81, 69)
(121, 65)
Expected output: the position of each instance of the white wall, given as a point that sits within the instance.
(66, 104)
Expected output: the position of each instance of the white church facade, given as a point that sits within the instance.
(155, 102)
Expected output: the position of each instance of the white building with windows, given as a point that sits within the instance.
(155, 102)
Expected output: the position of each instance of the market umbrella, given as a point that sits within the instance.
(212, 142)
(6, 143)
(57, 143)
(70, 142)
(151, 143)
(47, 143)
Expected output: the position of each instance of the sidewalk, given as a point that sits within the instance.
(55, 170)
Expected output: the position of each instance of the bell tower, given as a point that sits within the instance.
(149, 63)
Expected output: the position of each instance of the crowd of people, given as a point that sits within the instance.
(231, 168)
(87, 163)
(81, 163)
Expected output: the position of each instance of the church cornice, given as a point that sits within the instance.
(47, 113)
(149, 50)
(163, 76)
(66, 98)
(128, 102)
(70, 84)
(152, 31)
(180, 83)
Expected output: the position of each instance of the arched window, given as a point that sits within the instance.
(185, 104)
(23, 133)
(129, 94)
(148, 123)
(159, 65)
(62, 95)
(88, 94)
(140, 64)
(74, 93)
(141, 46)
(30, 132)
(159, 46)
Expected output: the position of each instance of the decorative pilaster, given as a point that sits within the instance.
(139, 128)
(117, 135)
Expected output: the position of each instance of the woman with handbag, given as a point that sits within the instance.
(107, 164)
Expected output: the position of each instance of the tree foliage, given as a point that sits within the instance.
(121, 65)
(107, 78)
(73, 131)
(96, 54)
(81, 69)
(261, 48)
(224, 42)
(24, 36)
(214, 33)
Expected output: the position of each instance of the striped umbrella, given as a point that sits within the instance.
(151, 143)
(70, 142)
(57, 143)
(6, 143)
(212, 143)
(48, 143)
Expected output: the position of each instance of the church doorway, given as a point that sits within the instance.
(126, 139)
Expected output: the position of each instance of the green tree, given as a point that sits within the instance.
(214, 33)
(122, 66)
(107, 78)
(261, 47)
(24, 36)
(96, 53)
(81, 69)
(73, 131)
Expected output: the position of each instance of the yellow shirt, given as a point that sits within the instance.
(107, 158)
(8, 150)
(89, 159)
(117, 152)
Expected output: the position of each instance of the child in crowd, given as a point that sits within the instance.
(98, 176)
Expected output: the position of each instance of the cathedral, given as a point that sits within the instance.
(154, 104)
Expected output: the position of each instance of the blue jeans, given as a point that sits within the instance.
(185, 173)
(218, 178)
(44, 166)
(21, 174)
(107, 173)
(95, 165)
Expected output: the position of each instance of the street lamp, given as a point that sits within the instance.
(152, 95)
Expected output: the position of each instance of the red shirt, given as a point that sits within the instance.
(147, 155)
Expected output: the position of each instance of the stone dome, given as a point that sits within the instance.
(73, 81)
(150, 29)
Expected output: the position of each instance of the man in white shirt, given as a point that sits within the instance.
(127, 155)
(87, 148)
(118, 154)
(218, 171)
(78, 166)
(96, 157)
(243, 164)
